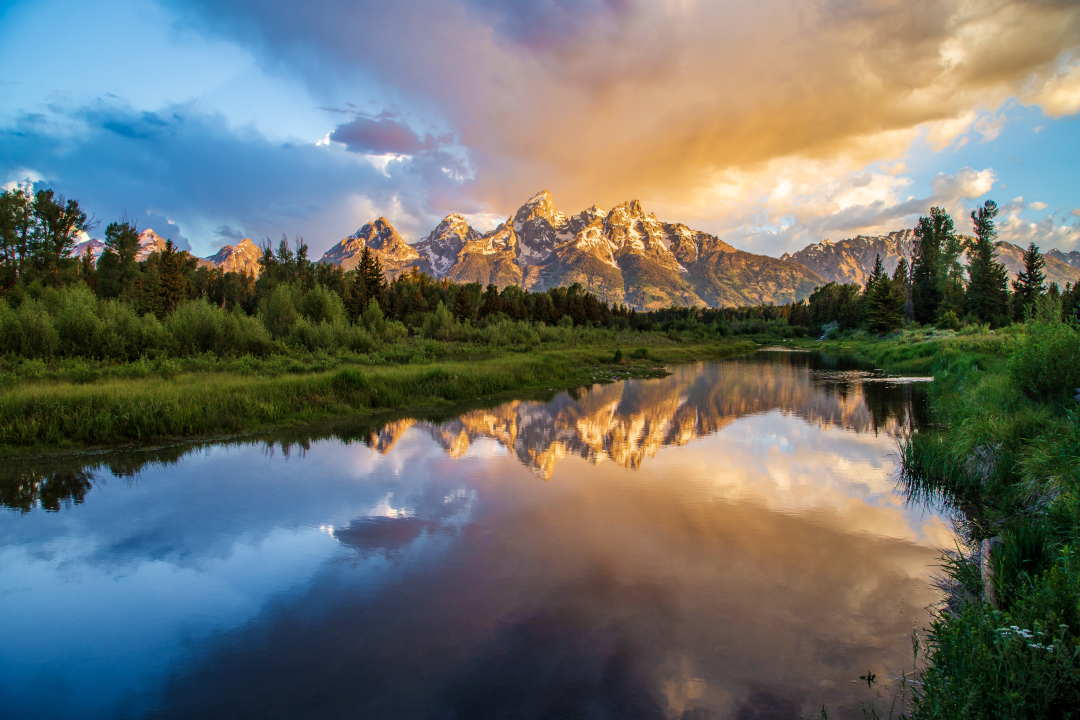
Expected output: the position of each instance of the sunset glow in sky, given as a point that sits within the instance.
(772, 123)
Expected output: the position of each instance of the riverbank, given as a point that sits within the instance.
(135, 405)
(1003, 454)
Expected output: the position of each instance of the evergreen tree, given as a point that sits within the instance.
(117, 270)
(954, 277)
(882, 305)
(60, 223)
(371, 270)
(929, 277)
(492, 303)
(1070, 301)
(901, 284)
(88, 269)
(1029, 282)
(173, 282)
(988, 287)
(464, 305)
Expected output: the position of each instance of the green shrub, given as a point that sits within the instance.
(373, 319)
(77, 325)
(34, 335)
(127, 335)
(281, 313)
(322, 305)
(439, 324)
(948, 321)
(312, 336)
(1046, 361)
(198, 327)
(79, 371)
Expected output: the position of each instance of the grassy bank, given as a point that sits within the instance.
(1006, 456)
(139, 405)
(1003, 455)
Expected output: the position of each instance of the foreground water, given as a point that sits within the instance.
(723, 542)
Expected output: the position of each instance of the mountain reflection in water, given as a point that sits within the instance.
(723, 542)
(629, 421)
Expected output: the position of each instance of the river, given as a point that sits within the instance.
(724, 542)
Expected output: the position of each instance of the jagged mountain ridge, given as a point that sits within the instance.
(852, 260)
(1012, 257)
(1072, 258)
(242, 257)
(622, 255)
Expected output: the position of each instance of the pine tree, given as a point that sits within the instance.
(464, 305)
(1029, 282)
(87, 269)
(988, 288)
(1070, 302)
(492, 303)
(173, 282)
(370, 278)
(882, 303)
(901, 284)
(929, 277)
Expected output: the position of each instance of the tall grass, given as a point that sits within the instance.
(1006, 452)
(58, 413)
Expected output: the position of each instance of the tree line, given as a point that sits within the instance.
(120, 306)
(935, 289)
(298, 301)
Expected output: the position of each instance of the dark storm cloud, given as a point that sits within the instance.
(192, 165)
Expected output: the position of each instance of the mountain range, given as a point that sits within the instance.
(622, 255)
(852, 260)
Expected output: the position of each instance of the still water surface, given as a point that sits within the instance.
(725, 542)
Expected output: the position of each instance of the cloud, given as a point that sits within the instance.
(1055, 230)
(606, 100)
(213, 177)
(381, 135)
(819, 202)
(966, 183)
(165, 228)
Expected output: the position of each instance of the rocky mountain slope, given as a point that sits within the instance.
(381, 237)
(1072, 259)
(621, 255)
(149, 243)
(1012, 257)
(96, 248)
(852, 260)
(242, 257)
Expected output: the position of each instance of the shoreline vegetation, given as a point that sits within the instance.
(112, 351)
(204, 396)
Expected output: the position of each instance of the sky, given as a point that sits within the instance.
(771, 123)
